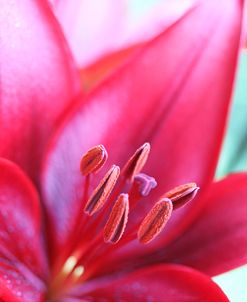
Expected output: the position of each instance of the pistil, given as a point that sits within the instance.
(146, 183)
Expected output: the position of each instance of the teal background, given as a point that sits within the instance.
(234, 153)
(234, 158)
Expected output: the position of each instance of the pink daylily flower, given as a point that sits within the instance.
(173, 92)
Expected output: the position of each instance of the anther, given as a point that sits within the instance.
(117, 221)
(181, 195)
(93, 160)
(102, 192)
(146, 183)
(155, 220)
(136, 162)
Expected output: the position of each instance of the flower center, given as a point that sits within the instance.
(106, 213)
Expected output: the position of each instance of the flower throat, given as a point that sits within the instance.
(111, 203)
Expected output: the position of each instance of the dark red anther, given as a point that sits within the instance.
(136, 162)
(102, 192)
(181, 195)
(117, 221)
(146, 183)
(155, 220)
(93, 160)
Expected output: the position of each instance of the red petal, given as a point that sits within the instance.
(20, 234)
(175, 94)
(217, 241)
(170, 283)
(97, 27)
(14, 287)
(38, 80)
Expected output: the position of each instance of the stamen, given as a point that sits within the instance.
(136, 162)
(117, 221)
(181, 195)
(155, 220)
(146, 183)
(102, 192)
(93, 160)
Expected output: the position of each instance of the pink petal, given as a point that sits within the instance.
(91, 27)
(21, 243)
(38, 80)
(175, 94)
(217, 241)
(170, 283)
(97, 27)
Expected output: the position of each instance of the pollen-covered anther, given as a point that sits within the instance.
(93, 160)
(117, 221)
(102, 192)
(137, 161)
(183, 194)
(146, 183)
(155, 220)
